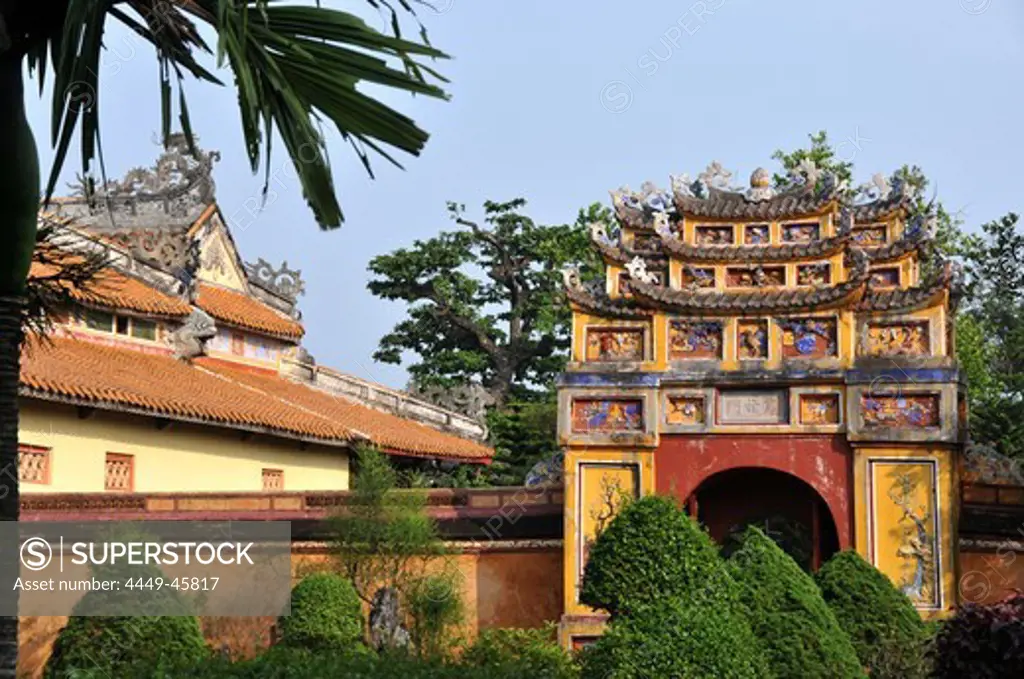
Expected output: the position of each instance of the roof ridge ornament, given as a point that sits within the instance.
(599, 234)
(637, 269)
(284, 282)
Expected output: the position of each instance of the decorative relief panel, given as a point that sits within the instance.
(660, 277)
(603, 490)
(904, 527)
(752, 339)
(696, 277)
(818, 273)
(686, 410)
(801, 233)
(808, 337)
(915, 411)
(694, 340)
(885, 277)
(819, 408)
(870, 235)
(714, 235)
(753, 407)
(615, 344)
(755, 277)
(600, 416)
(909, 338)
(647, 242)
(756, 234)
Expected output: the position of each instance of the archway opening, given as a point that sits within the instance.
(785, 508)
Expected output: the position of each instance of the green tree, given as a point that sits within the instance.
(485, 302)
(295, 66)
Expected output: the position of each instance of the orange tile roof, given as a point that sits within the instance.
(104, 376)
(246, 312)
(113, 289)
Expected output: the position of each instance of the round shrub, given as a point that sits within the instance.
(649, 551)
(799, 632)
(676, 638)
(520, 653)
(886, 630)
(325, 613)
(982, 642)
(125, 646)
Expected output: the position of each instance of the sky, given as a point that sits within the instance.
(560, 102)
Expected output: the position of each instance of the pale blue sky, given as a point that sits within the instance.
(561, 101)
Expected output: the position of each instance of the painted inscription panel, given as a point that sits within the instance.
(819, 408)
(904, 527)
(603, 490)
(615, 344)
(897, 339)
(599, 416)
(818, 273)
(885, 277)
(694, 340)
(756, 234)
(914, 411)
(870, 235)
(808, 337)
(753, 407)
(800, 233)
(755, 277)
(752, 339)
(714, 235)
(686, 410)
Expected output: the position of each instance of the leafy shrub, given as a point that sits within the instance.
(800, 634)
(886, 630)
(679, 639)
(435, 609)
(325, 613)
(982, 642)
(649, 551)
(108, 646)
(520, 652)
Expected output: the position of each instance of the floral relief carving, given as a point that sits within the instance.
(752, 339)
(897, 339)
(695, 339)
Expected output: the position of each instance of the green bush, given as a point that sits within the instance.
(520, 652)
(435, 610)
(982, 641)
(800, 634)
(325, 613)
(125, 647)
(886, 630)
(679, 639)
(649, 551)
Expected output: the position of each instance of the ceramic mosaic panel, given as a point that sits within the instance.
(697, 277)
(808, 337)
(897, 339)
(904, 527)
(752, 339)
(818, 273)
(871, 235)
(756, 234)
(755, 277)
(819, 408)
(660, 276)
(753, 407)
(615, 344)
(801, 233)
(694, 340)
(603, 489)
(714, 235)
(686, 410)
(600, 416)
(885, 277)
(913, 411)
(647, 242)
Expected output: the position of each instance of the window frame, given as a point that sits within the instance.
(131, 472)
(273, 471)
(48, 468)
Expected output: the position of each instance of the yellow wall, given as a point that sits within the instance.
(182, 458)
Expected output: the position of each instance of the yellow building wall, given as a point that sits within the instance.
(182, 458)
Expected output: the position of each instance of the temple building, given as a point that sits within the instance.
(780, 356)
(181, 368)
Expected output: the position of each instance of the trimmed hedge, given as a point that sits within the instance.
(679, 639)
(528, 652)
(881, 622)
(982, 642)
(325, 613)
(800, 634)
(652, 550)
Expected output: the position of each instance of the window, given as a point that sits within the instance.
(238, 344)
(128, 326)
(33, 464)
(120, 473)
(145, 330)
(273, 479)
(121, 325)
(98, 320)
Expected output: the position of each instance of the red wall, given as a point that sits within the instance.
(683, 462)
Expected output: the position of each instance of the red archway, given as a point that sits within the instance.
(823, 462)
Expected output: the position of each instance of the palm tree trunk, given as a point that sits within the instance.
(19, 204)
